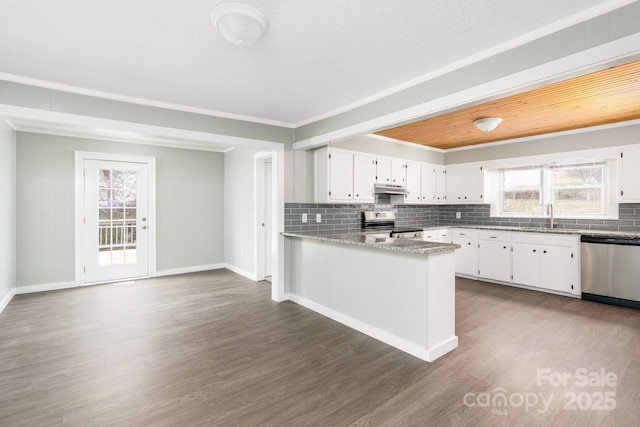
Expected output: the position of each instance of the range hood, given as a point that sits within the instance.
(379, 188)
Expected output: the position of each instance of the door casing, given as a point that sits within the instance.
(80, 157)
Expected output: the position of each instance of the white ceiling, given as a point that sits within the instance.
(317, 58)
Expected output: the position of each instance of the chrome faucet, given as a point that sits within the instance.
(550, 213)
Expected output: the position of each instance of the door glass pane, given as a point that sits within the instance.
(116, 225)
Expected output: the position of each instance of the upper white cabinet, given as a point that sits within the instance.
(415, 185)
(364, 177)
(391, 171)
(343, 176)
(630, 175)
(433, 183)
(340, 175)
(425, 183)
(465, 184)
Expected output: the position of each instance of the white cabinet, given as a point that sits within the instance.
(391, 171)
(398, 172)
(343, 176)
(433, 183)
(440, 235)
(414, 182)
(494, 255)
(465, 184)
(559, 269)
(526, 264)
(340, 175)
(630, 175)
(547, 261)
(364, 177)
(440, 174)
(466, 256)
(425, 183)
(541, 260)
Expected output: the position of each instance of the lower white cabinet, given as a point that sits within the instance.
(440, 235)
(546, 261)
(466, 256)
(494, 256)
(540, 260)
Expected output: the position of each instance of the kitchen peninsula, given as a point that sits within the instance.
(399, 291)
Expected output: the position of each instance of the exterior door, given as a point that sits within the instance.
(116, 223)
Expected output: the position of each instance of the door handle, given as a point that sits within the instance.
(144, 227)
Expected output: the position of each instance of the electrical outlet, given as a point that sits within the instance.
(304, 217)
(318, 218)
(458, 215)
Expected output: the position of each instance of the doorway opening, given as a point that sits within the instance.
(264, 215)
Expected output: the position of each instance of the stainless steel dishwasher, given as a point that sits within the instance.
(611, 270)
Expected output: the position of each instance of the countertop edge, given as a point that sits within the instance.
(419, 247)
(578, 232)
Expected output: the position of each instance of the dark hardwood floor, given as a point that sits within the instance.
(211, 348)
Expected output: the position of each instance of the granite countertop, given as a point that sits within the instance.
(362, 239)
(541, 230)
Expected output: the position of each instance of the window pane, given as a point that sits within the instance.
(521, 178)
(521, 190)
(521, 201)
(578, 176)
(578, 200)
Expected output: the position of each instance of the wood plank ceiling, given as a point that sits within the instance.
(598, 98)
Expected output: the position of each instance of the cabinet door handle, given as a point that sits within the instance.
(504, 247)
(469, 243)
(544, 252)
(534, 250)
(493, 237)
(357, 195)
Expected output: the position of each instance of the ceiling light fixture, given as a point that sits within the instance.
(487, 124)
(239, 23)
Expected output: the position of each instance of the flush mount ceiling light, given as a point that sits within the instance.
(239, 23)
(487, 124)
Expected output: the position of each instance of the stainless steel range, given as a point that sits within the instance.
(385, 222)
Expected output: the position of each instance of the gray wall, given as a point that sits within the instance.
(189, 216)
(379, 147)
(23, 95)
(239, 209)
(7, 210)
(625, 135)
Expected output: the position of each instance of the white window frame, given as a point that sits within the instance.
(609, 203)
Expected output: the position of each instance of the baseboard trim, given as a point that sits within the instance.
(185, 270)
(7, 299)
(244, 273)
(67, 285)
(47, 287)
(400, 343)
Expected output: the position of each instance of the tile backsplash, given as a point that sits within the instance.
(628, 219)
(348, 217)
